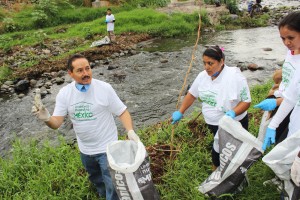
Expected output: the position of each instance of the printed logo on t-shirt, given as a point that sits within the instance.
(208, 97)
(287, 73)
(243, 94)
(82, 111)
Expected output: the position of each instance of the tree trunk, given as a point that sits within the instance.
(87, 3)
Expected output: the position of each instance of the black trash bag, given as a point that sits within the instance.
(238, 151)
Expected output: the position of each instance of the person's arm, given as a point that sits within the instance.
(187, 102)
(279, 101)
(126, 120)
(55, 122)
(241, 107)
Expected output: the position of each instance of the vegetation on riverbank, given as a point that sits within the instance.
(37, 171)
(27, 27)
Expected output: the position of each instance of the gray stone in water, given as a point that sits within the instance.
(22, 85)
(111, 67)
(164, 60)
(92, 64)
(122, 54)
(267, 49)
(21, 95)
(253, 66)
(133, 52)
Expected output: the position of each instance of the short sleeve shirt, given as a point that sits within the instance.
(91, 113)
(221, 94)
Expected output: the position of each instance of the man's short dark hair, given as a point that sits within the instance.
(72, 59)
(108, 9)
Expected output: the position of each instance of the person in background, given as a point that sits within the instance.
(222, 90)
(110, 22)
(91, 104)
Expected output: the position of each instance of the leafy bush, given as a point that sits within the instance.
(45, 12)
(9, 25)
(232, 6)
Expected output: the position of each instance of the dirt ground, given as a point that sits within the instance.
(124, 42)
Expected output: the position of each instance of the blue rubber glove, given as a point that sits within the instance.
(269, 138)
(231, 114)
(106, 21)
(267, 104)
(176, 117)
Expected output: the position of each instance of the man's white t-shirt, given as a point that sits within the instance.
(110, 24)
(288, 70)
(91, 113)
(221, 94)
(292, 94)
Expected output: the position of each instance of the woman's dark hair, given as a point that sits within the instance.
(214, 52)
(72, 59)
(292, 21)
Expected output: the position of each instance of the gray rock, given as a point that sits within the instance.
(22, 85)
(133, 52)
(111, 67)
(33, 82)
(54, 74)
(46, 51)
(92, 64)
(21, 95)
(59, 80)
(164, 60)
(8, 82)
(267, 49)
(48, 85)
(4, 87)
(61, 73)
(122, 54)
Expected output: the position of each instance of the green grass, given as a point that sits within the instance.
(137, 20)
(46, 172)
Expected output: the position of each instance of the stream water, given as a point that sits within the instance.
(153, 80)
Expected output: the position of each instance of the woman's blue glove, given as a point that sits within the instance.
(267, 104)
(269, 138)
(106, 21)
(230, 113)
(176, 117)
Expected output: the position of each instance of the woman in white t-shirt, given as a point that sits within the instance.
(222, 90)
(289, 29)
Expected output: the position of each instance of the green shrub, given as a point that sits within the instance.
(231, 5)
(148, 3)
(9, 25)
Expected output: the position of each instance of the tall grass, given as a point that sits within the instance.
(35, 172)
